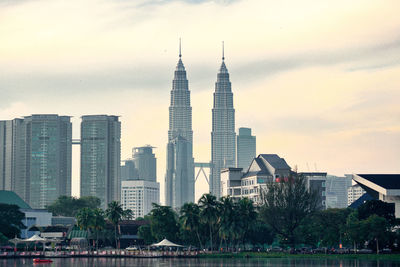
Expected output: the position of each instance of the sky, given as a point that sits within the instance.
(317, 81)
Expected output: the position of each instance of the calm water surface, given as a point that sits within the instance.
(120, 262)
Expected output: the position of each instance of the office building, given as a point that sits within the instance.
(223, 143)
(316, 181)
(128, 171)
(139, 195)
(145, 163)
(336, 191)
(6, 154)
(179, 178)
(100, 157)
(383, 187)
(246, 148)
(35, 157)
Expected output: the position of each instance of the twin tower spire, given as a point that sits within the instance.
(179, 178)
(180, 49)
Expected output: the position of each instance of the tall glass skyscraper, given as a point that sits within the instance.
(246, 148)
(100, 157)
(145, 163)
(179, 179)
(223, 148)
(37, 162)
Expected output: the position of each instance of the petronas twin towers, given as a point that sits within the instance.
(179, 179)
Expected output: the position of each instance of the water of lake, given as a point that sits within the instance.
(190, 262)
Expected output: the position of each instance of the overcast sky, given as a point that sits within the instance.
(317, 81)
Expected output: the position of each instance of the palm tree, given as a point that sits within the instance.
(84, 219)
(247, 212)
(115, 214)
(209, 212)
(190, 219)
(227, 219)
(98, 223)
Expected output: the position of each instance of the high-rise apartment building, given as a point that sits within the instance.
(145, 163)
(36, 157)
(223, 143)
(246, 148)
(139, 195)
(100, 157)
(179, 179)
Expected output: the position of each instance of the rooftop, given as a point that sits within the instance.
(11, 198)
(387, 181)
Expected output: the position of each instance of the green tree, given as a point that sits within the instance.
(247, 216)
(11, 220)
(163, 223)
(228, 221)
(285, 206)
(85, 219)
(209, 213)
(69, 206)
(377, 230)
(325, 227)
(378, 207)
(190, 219)
(144, 232)
(98, 223)
(260, 233)
(354, 229)
(115, 213)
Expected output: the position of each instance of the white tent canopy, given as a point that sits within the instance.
(35, 238)
(165, 243)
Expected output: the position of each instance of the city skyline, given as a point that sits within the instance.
(317, 82)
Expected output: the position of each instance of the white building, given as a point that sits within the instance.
(264, 169)
(138, 196)
(354, 193)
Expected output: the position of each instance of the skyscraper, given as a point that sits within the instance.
(246, 148)
(100, 157)
(223, 149)
(6, 152)
(179, 179)
(145, 163)
(139, 194)
(37, 162)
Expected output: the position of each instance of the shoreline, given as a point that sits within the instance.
(265, 255)
(239, 255)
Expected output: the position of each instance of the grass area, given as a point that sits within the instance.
(242, 255)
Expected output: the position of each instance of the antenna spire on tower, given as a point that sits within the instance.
(180, 52)
(223, 52)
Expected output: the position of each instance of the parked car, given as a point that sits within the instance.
(132, 248)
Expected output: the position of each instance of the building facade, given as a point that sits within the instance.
(353, 193)
(336, 191)
(6, 155)
(128, 171)
(100, 157)
(139, 195)
(35, 155)
(223, 143)
(316, 181)
(266, 168)
(179, 178)
(246, 148)
(145, 163)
